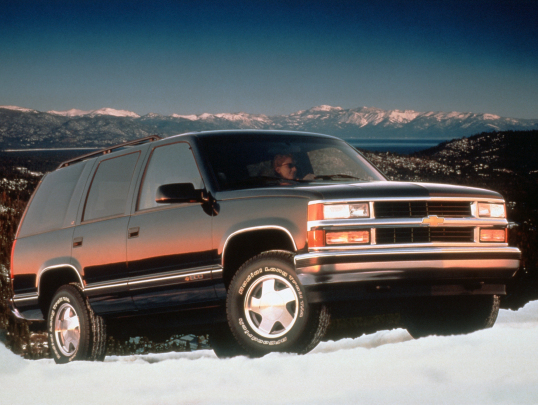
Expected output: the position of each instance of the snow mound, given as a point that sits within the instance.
(525, 317)
(9, 362)
(384, 337)
(496, 365)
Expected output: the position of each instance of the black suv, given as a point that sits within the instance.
(254, 237)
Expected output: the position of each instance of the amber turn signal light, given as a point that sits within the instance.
(348, 238)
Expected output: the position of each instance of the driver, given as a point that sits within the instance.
(285, 167)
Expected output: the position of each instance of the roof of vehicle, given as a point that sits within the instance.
(108, 150)
(152, 138)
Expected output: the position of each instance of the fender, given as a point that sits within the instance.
(256, 228)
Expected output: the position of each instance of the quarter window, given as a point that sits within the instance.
(110, 187)
(49, 205)
(168, 164)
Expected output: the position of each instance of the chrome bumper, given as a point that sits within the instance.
(14, 311)
(428, 264)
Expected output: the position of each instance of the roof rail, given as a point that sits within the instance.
(105, 151)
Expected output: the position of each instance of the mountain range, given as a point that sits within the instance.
(27, 128)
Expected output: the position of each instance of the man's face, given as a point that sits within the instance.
(288, 169)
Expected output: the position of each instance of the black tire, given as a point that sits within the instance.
(74, 331)
(98, 337)
(267, 308)
(445, 316)
(224, 344)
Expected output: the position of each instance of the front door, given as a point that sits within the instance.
(169, 247)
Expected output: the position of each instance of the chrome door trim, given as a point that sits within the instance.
(172, 275)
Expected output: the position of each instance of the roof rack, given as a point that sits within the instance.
(106, 151)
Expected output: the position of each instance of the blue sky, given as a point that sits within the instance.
(270, 57)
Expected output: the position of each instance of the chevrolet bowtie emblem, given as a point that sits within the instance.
(433, 220)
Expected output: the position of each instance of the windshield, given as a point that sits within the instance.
(260, 160)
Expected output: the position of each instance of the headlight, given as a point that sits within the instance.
(343, 211)
(491, 210)
(493, 235)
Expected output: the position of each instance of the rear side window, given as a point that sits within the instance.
(110, 187)
(168, 164)
(49, 205)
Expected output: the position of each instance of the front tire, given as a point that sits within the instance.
(74, 331)
(445, 316)
(267, 308)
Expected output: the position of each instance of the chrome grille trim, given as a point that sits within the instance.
(395, 222)
(464, 216)
(392, 236)
(421, 209)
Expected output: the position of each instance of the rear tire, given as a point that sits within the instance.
(445, 316)
(267, 307)
(74, 331)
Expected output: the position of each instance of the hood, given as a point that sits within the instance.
(387, 189)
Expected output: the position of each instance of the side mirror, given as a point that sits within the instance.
(178, 193)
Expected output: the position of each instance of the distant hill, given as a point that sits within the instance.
(25, 128)
(504, 161)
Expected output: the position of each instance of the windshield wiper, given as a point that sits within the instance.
(259, 181)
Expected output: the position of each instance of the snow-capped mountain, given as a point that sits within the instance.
(244, 119)
(23, 127)
(103, 111)
(15, 108)
(73, 112)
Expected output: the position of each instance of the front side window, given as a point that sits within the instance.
(168, 164)
(110, 187)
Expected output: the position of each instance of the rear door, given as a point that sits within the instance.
(99, 240)
(169, 248)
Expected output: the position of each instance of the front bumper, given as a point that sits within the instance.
(14, 311)
(26, 307)
(445, 270)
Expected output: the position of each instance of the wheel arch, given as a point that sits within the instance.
(249, 242)
(53, 277)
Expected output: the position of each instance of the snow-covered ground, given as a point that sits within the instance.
(495, 366)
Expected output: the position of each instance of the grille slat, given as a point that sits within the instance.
(387, 236)
(420, 209)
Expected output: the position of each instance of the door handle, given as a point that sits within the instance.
(133, 232)
(77, 241)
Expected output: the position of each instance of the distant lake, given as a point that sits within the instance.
(404, 146)
(51, 150)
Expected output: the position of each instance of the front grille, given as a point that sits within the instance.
(387, 236)
(421, 209)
